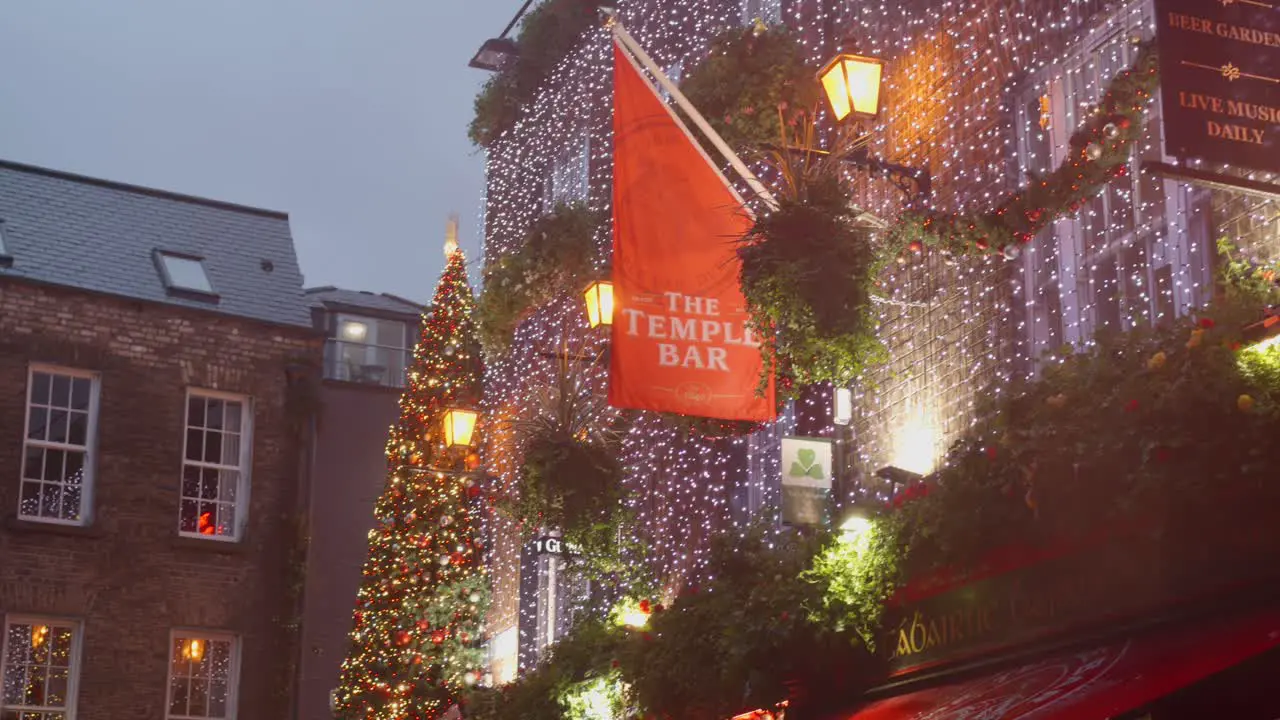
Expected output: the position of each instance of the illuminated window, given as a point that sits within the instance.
(58, 448)
(183, 272)
(39, 668)
(368, 350)
(203, 671)
(215, 466)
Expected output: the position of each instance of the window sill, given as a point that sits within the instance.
(222, 547)
(22, 525)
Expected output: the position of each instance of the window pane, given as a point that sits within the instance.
(195, 411)
(189, 516)
(58, 425)
(213, 447)
(208, 484)
(29, 505)
(195, 444)
(213, 414)
(80, 393)
(79, 428)
(191, 481)
(186, 273)
(199, 698)
(50, 500)
(33, 468)
(73, 472)
(235, 410)
(40, 383)
(37, 423)
(61, 391)
(178, 696)
(226, 519)
(53, 460)
(70, 509)
(228, 482)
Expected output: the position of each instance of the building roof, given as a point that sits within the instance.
(104, 236)
(337, 298)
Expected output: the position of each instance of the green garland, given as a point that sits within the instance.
(553, 261)
(547, 34)
(752, 80)
(1100, 151)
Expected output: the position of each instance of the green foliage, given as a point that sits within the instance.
(554, 260)
(1015, 220)
(1172, 429)
(753, 80)
(1244, 281)
(560, 684)
(599, 698)
(571, 484)
(738, 642)
(547, 34)
(808, 275)
(856, 576)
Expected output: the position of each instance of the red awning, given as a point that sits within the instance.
(1091, 684)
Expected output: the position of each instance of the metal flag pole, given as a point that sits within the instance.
(629, 44)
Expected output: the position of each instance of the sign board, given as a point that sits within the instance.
(551, 545)
(807, 469)
(1220, 80)
(682, 336)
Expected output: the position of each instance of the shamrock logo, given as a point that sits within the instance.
(806, 465)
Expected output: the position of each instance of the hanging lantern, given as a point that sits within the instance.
(459, 426)
(852, 85)
(599, 297)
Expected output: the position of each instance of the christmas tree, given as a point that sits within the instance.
(415, 645)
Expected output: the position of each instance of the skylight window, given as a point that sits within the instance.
(183, 273)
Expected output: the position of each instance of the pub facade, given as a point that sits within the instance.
(986, 98)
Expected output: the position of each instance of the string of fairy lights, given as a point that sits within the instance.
(985, 94)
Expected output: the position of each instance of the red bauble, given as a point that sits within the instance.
(644, 606)
(403, 637)
(437, 637)
(1207, 323)
(981, 244)
(423, 625)
(915, 246)
(473, 491)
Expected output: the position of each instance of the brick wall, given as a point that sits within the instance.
(128, 577)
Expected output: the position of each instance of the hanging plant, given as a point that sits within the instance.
(554, 260)
(1099, 152)
(547, 34)
(749, 74)
(570, 478)
(809, 271)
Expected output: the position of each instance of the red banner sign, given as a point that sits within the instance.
(681, 341)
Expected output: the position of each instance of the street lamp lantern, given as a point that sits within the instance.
(459, 425)
(852, 85)
(599, 297)
(495, 54)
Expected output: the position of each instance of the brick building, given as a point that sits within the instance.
(155, 351)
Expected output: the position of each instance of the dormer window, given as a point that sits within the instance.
(6, 257)
(183, 273)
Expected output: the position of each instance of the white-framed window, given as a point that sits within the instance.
(204, 671)
(216, 456)
(368, 350)
(39, 668)
(767, 11)
(1128, 257)
(4, 249)
(58, 445)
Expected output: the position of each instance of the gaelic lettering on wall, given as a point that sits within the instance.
(1220, 80)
